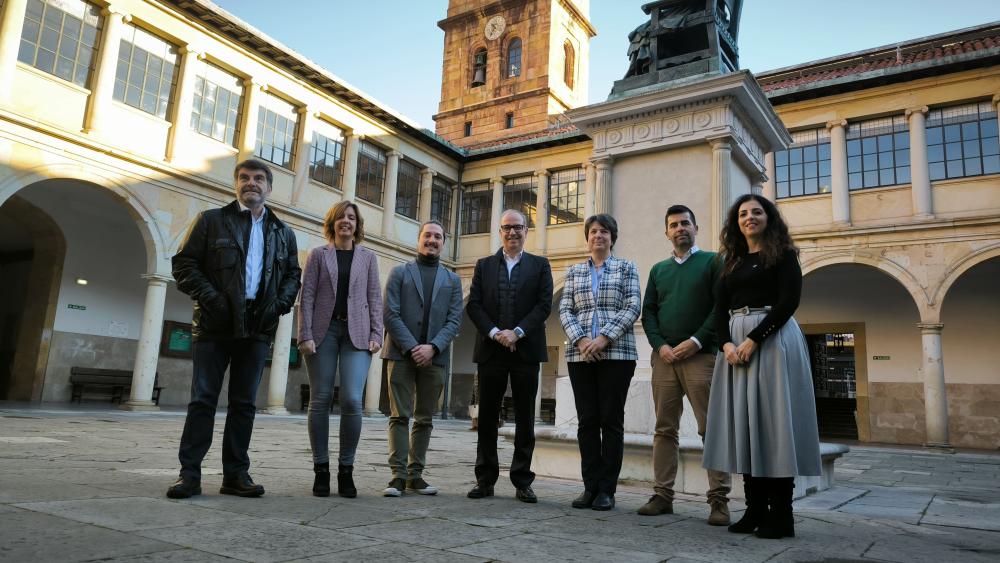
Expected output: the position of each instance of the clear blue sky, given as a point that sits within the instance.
(392, 49)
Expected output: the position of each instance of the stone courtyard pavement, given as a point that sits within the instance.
(79, 484)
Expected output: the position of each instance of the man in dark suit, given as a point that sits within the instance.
(510, 298)
(240, 265)
(423, 311)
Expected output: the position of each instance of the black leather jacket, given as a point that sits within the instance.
(211, 268)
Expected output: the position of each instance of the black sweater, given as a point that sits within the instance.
(753, 285)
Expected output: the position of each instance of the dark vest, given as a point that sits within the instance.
(507, 292)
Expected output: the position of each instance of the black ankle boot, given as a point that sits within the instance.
(756, 512)
(321, 483)
(345, 481)
(779, 522)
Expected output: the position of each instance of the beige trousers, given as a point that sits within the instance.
(671, 382)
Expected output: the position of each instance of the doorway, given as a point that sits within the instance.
(837, 362)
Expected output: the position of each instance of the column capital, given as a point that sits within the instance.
(496, 180)
(157, 279)
(428, 172)
(542, 173)
(836, 123)
(930, 328)
(721, 143)
(304, 111)
(114, 10)
(602, 163)
(393, 154)
(920, 109)
(996, 99)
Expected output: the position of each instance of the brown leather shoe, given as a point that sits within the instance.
(240, 485)
(720, 513)
(657, 505)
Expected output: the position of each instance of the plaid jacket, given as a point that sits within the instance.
(617, 307)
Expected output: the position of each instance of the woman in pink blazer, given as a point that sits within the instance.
(340, 325)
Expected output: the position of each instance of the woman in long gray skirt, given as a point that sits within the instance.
(761, 410)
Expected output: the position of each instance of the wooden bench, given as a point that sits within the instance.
(304, 395)
(116, 381)
(548, 413)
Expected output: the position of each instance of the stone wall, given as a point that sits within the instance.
(897, 414)
(85, 350)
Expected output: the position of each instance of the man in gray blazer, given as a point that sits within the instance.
(423, 311)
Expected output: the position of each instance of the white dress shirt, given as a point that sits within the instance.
(255, 252)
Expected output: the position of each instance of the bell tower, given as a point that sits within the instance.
(511, 67)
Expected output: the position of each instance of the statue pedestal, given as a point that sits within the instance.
(698, 142)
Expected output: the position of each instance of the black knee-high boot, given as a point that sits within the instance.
(779, 522)
(756, 511)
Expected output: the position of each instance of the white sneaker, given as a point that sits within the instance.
(395, 488)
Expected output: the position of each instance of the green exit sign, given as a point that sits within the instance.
(77, 307)
(880, 357)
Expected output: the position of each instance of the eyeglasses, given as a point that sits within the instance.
(509, 228)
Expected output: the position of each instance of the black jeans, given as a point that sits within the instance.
(600, 389)
(245, 359)
(493, 377)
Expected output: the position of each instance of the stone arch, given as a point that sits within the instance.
(893, 270)
(157, 259)
(961, 267)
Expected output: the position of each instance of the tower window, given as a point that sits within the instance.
(479, 68)
(569, 63)
(509, 120)
(468, 128)
(514, 59)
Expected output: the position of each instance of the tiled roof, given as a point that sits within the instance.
(959, 46)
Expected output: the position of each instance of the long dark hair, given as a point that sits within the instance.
(775, 241)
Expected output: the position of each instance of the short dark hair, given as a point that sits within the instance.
(604, 220)
(444, 233)
(677, 209)
(254, 164)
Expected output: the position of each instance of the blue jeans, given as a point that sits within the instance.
(336, 348)
(245, 360)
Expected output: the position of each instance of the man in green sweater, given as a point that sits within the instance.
(678, 320)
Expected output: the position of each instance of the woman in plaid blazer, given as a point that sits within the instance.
(599, 306)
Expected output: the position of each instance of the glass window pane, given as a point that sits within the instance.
(955, 169)
(871, 178)
(824, 151)
(824, 168)
(970, 130)
(902, 139)
(782, 189)
(782, 174)
(902, 157)
(887, 177)
(794, 156)
(934, 136)
(885, 142)
(795, 187)
(811, 186)
(30, 31)
(824, 184)
(795, 171)
(809, 153)
(973, 167)
(870, 161)
(853, 148)
(868, 145)
(885, 160)
(854, 164)
(970, 148)
(903, 175)
(854, 181)
(952, 133)
(991, 165)
(781, 158)
(45, 60)
(26, 54)
(935, 153)
(953, 151)
(988, 127)
(64, 68)
(937, 170)
(991, 146)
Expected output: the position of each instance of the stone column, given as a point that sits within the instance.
(103, 87)
(590, 171)
(840, 193)
(426, 192)
(602, 193)
(180, 111)
(11, 23)
(350, 183)
(277, 378)
(542, 212)
(722, 189)
(248, 127)
(935, 394)
(495, 213)
(389, 197)
(148, 353)
(304, 157)
(920, 174)
(770, 190)
(373, 387)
